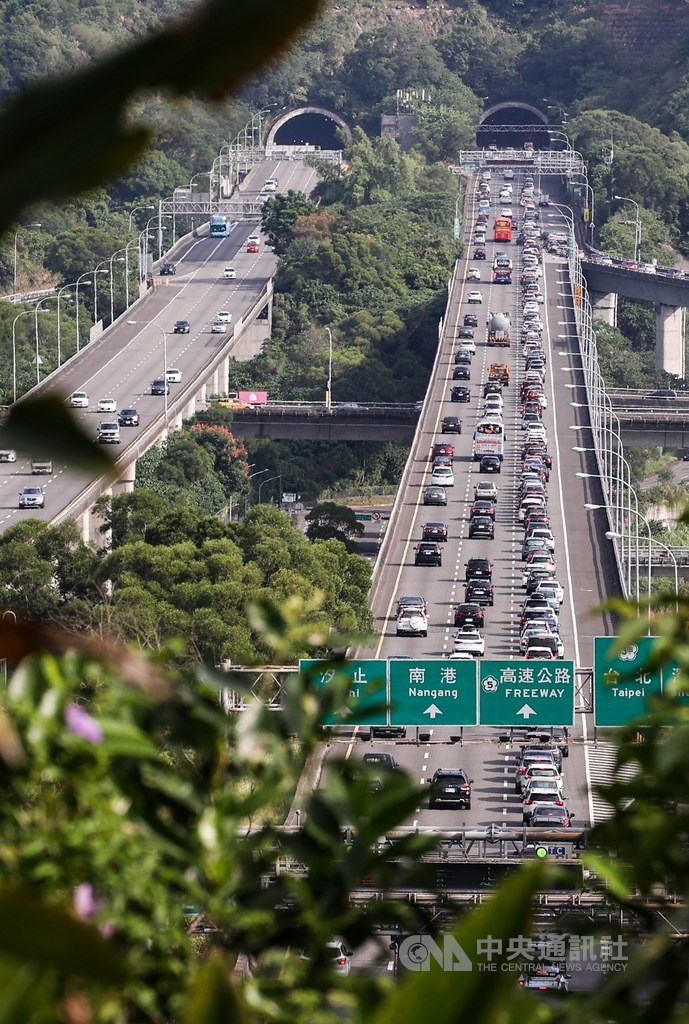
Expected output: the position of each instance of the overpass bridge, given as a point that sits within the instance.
(314, 421)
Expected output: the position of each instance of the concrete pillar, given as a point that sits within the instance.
(215, 383)
(125, 484)
(85, 526)
(670, 338)
(605, 307)
(177, 421)
(190, 408)
(224, 376)
(98, 539)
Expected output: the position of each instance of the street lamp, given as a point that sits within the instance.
(120, 259)
(161, 228)
(591, 507)
(95, 287)
(263, 483)
(59, 323)
(14, 352)
(16, 235)
(637, 228)
(37, 310)
(76, 292)
(329, 386)
(250, 478)
(135, 210)
(460, 195)
(152, 323)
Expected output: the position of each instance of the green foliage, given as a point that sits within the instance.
(328, 520)
(280, 214)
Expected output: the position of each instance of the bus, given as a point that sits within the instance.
(502, 229)
(489, 439)
(502, 270)
(219, 225)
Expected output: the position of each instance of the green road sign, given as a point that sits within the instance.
(621, 684)
(434, 691)
(364, 517)
(526, 693)
(367, 687)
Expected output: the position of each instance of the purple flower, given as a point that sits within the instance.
(86, 903)
(82, 724)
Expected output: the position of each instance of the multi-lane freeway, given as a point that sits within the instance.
(584, 556)
(123, 363)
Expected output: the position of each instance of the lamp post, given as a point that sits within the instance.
(250, 477)
(460, 195)
(95, 287)
(621, 461)
(263, 483)
(76, 293)
(120, 259)
(151, 207)
(152, 323)
(16, 236)
(161, 228)
(38, 310)
(611, 534)
(24, 312)
(620, 525)
(637, 228)
(329, 386)
(59, 323)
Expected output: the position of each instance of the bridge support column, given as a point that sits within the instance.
(85, 526)
(670, 338)
(125, 484)
(190, 408)
(98, 539)
(605, 307)
(177, 421)
(224, 377)
(250, 338)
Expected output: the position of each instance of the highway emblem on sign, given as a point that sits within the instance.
(489, 684)
(629, 653)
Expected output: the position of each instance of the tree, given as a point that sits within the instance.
(329, 521)
(280, 214)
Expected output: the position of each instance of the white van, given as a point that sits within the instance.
(270, 185)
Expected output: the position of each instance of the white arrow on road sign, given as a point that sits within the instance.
(526, 712)
(432, 710)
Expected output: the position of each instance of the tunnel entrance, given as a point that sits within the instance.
(530, 126)
(308, 126)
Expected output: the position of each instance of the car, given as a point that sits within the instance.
(8, 455)
(537, 770)
(467, 345)
(442, 476)
(534, 574)
(411, 601)
(460, 394)
(109, 432)
(535, 630)
(181, 327)
(434, 531)
(32, 497)
(530, 755)
(684, 454)
(427, 553)
(470, 320)
(160, 386)
(467, 333)
(481, 528)
(478, 568)
(412, 622)
(479, 253)
(555, 734)
(541, 533)
(380, 759)
(451, 425)
(338, 957)
(173, 375)
(253, 247)
(662, 394)
(461, 372)
(128, 417)
(490, 464)
(473, 274)
(229, 273)
(470, 640)
(450, 787)
(167, 269)
(79, 400)
(544, 978)
(479, 592)
(485, 490)
(552, 590)
(443, 448)
(492, 387)
(537, 643)
(435, 496)
(469, 613)
(106, 405)
(482, 507)
(474, 297)
(224, 316)
(462, 357)
(550, 816)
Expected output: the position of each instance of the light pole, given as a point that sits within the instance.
(589, 207)
(151, 207)
(120, 259)
(37, 310)
(637, 228)
(152, 323)
(24, 312)
(263, 483)
(59, 324)
(329, 387)
(557, 106)
(250, 478)
(621, 461)
(95, 287)
(161, 228)
(676, 570)
(620, 526)
(76, 292)
(460, 195)
(126, 271)
(16, 235)
(650, 541)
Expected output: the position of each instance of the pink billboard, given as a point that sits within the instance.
(253, 397)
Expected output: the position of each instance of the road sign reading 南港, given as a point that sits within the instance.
(622, 683)
(367, 688)
(433, 691)
(526, 693)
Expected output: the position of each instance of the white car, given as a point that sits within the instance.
(224, 316)
(475, 296)
(530, 306)
(544, 785)
(79, 400)
(412, 622)
(8, 455)
(218, 327)
(467, 345)
(506, 211)
(532, 632)
(540, 771)
(459, 656)
(473, 274)
(552, 591)
(253, 240)
(174, 376)
(442, 476)
(107, 405)
(229, 273)
(485, 489)
(470, 641)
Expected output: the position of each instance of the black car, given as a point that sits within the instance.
(482, 528)
(478, 569)
(460, 394)
(470, 320)
(428, 554)
(469, 614)
(461, 372)
(168, 268)
(450, 787)
(662, 394)
(181, 327)
(461, 356)
(435, 496)
(465, 332)
(160, 386)
(128, 418)
(434, 531)
(482, 507)
(479, 252)
(550, 816)
(451, 425)
(479, 592)
(490, 464)
(492, 388)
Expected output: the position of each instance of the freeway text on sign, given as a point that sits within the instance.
(367, 689)
(434, 691)
(526, 693)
